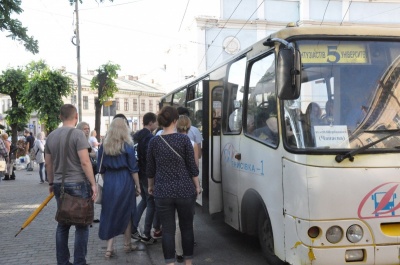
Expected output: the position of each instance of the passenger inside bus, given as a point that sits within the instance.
(313, 117)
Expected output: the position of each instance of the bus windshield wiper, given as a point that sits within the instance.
(350, 155)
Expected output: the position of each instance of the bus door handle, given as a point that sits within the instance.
(238, 156)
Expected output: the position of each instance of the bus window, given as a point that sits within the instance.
(262, 123)
(234, 97)
(166, 101)
(195, 105)
(180, 98)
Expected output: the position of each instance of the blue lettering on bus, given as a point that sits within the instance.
(228, 154)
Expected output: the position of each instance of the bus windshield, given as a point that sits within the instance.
(350, 96)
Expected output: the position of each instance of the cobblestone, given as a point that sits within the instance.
(36, 243)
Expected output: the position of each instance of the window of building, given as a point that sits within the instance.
(134, 104)
(117, 103)
(150, 105)
(126, 104)
(85, 102)
(73, 99)
(143, 105)
(157, 106)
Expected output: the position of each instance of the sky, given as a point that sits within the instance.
(134, 34)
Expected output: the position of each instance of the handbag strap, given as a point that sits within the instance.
(101, 162)
(65, 160)
(171, 147)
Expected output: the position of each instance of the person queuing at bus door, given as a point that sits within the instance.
(121, 185)
(30, 140)
(94, 144)
(84, 126)
(142, 138)
(194, 133)
(38, 149)
(183, 126)
(79, 179)
(173, 181)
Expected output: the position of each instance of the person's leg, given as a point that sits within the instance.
(156, 224)
(166, 210)
(139, 211)
(110, 248)
(41, 172)
(82, 189)
(178, 237)
(151, 207)
(81, 241)
(185, 208)
(62, 250)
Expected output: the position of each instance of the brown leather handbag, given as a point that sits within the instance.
(73, 210)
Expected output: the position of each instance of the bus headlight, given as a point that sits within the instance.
(334, 234)
(354, 233)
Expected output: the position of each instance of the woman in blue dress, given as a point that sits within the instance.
(121, 185)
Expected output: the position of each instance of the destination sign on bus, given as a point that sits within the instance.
(337, 54)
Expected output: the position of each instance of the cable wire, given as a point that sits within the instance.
(348, 8)
(184, 15)
(326, 8)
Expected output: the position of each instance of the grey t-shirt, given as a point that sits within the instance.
(55, 145)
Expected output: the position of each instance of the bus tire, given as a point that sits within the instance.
(266, 239)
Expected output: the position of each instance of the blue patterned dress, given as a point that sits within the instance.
(119, 198)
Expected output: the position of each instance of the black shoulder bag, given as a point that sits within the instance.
(73, 210)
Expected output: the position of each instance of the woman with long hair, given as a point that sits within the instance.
(121, 185)
(173, 181)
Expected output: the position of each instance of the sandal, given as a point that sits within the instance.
(129, 247)
(109, 254)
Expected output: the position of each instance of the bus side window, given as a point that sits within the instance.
(233, 97)
(262, 122)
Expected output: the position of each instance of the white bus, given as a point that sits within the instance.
(302, 143)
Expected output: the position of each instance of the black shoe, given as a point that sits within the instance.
(6, 177)
(148, 240)
(96, 221)
(179, 258)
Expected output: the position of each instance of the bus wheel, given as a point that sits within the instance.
(266, 239)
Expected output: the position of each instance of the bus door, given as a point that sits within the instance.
(213, 138)
(230, 152)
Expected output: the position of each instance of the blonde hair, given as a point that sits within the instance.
(4, 136)
(183, 124)
(93, 133)
(40, 135)
(117, 135)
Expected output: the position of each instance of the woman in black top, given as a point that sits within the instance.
(173, 181)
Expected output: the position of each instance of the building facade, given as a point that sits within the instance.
(133, 99)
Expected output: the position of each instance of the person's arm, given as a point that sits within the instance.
(196, 183)
(136, 180)
(196, 154)
(150, 182)
(49, 169)
(27, 148)
(87, 168)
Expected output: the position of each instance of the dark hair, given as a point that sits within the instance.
(183, 111)
(67, 112)
(167, 115)
(120, 115)
(149, 117)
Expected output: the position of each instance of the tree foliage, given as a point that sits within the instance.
(106, 87)
(45, 93)
(14, 26)
(13, 82)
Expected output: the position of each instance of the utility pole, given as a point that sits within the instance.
(78, 59)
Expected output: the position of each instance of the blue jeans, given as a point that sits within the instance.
(166, 208)
(41, 166)
(146, 202)
(81, 189)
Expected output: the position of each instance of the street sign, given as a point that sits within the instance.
(108, 103)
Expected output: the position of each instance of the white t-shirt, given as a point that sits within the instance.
(92, 142)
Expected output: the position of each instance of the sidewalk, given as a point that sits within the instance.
(36, 243)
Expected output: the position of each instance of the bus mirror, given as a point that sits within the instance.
(288, 74)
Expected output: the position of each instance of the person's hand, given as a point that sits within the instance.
(150, 190)
(94, 192)
(51, 189)
(138, 191)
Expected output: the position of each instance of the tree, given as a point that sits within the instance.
(14, 26)
(106, 87)
(45, 93)
(13, 82)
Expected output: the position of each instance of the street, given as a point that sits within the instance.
(217, 243)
